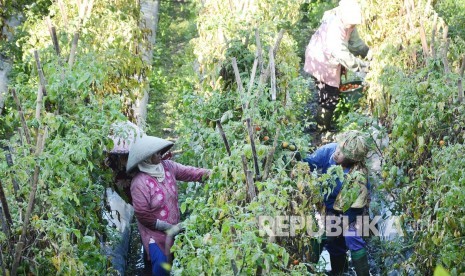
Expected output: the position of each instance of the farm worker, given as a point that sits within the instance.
(334, 45)
(123, 135)
(155, 196)
(347, 199)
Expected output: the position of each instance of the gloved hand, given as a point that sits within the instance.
(176, 229)
(169, 228)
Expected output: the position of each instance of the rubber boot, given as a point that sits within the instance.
(316, 247)
(339, 264)
(323, 118)
(360, 262)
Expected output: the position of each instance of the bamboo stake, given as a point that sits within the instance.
(21, 115)
(445, 61)
(460, 98)
(43, 91)
(2, 264)
(424, 43)
(409, 15)
(273, 75)
(278, 41)
(72, 53)
(433, 36)
(6, 210)
(239, 83)
(462, 68)
(30, 206)
(234, 267)
(251, 187)
(9, 162)
(254, 151)
(258, 52)
(223, 135)
(427, 7)
(249, 180)
(90, 5)
(64, 14)
(264, 76)
(53, 33)
(269, 157)
(459, 82)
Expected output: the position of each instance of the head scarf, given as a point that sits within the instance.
(353, 145)
(157, 171)
(350, 12)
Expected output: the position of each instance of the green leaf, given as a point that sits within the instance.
(440, 271)
(183, 207)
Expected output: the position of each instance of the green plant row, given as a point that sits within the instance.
(222, 235)
(67, 230)
(414, 93)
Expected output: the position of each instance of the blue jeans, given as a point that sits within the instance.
(157, 258)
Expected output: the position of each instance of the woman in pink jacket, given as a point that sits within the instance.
(336, 43)
(155, 196)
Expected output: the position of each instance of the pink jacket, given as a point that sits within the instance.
(333, 45)
(153, 200)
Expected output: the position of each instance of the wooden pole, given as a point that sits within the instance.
(254, 151)
(223, 135)
(21, 115)
(269, 157)
(30, 206)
